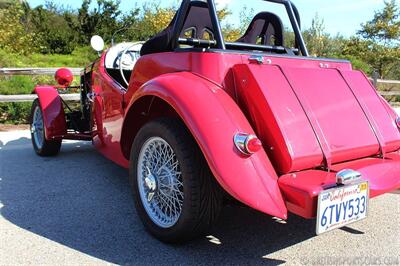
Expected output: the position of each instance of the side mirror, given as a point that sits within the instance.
(64, 77)
(97, 43)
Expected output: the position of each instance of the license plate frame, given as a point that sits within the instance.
(361, 185)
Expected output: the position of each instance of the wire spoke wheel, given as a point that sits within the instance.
(160, 182)
(37, 127)
(41, 145)
(176, 196)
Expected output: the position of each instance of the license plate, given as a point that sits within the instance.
(341, 206)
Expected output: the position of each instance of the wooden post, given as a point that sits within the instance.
(375, 77)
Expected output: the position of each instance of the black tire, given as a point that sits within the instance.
(203, 197)
(49, 147)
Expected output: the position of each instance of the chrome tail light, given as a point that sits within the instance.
(247, 144)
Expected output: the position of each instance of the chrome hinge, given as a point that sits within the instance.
(256, 59)
(324, 65)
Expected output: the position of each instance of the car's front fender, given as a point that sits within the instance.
(53, 112)
(213, 118)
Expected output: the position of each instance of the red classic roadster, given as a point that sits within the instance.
(195, 118)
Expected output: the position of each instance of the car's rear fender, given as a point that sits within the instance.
(53, 112)
(213, 119)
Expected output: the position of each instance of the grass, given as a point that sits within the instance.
(24, 84)
(79, 58)
(15, 113)
(18, 113)
(12, 85)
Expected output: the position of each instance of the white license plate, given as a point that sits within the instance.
(341, 206)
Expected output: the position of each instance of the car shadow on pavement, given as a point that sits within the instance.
(83, 201)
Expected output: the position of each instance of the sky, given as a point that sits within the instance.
(340, 16)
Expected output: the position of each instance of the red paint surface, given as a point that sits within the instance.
(64, 77)
(280, 122)
(338, 119)
(213, 119)
(301, 189)
(108, 114)
(53, 112)
(306, 116)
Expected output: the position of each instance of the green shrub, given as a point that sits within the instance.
(80, 57)
(13, 85)
(15, 113)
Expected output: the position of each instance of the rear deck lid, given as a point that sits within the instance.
(309, 116)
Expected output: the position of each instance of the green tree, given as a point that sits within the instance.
(151, 20)
(53, 34)
(384, 28)
(380, 41)
(320, 43)
(8, 3)
(14, 36)
(104, 20)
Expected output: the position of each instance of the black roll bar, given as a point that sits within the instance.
(295, 20)
(216, 24)
(180, 18)
(291, 9)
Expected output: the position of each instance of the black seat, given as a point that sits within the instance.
(161, 42)
(197, 25)
(198, 22)
(265, 29)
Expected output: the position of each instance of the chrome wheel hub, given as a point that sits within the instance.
(151, 184)
(160, 182)
(37, 127)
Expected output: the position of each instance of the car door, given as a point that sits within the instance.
(108, 113)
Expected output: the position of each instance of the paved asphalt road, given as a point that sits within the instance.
(76, 209)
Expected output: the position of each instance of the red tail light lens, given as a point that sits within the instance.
(247, 143)
(253, 145)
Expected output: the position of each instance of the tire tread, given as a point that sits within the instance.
(50, 147)
(205, 193)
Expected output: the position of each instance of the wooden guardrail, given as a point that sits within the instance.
(34, 71)
(389, 93)
(76, 72)
(31, 97)
(388, 81)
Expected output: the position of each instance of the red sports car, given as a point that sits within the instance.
(195, 118)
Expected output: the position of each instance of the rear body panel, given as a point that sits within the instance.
(310, 114)
(214, 118)
(340, 124)
(301, 189)
(380, 117)
(312, 118)
(309, 117)
(279, 119)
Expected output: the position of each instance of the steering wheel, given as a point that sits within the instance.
(128, 63)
